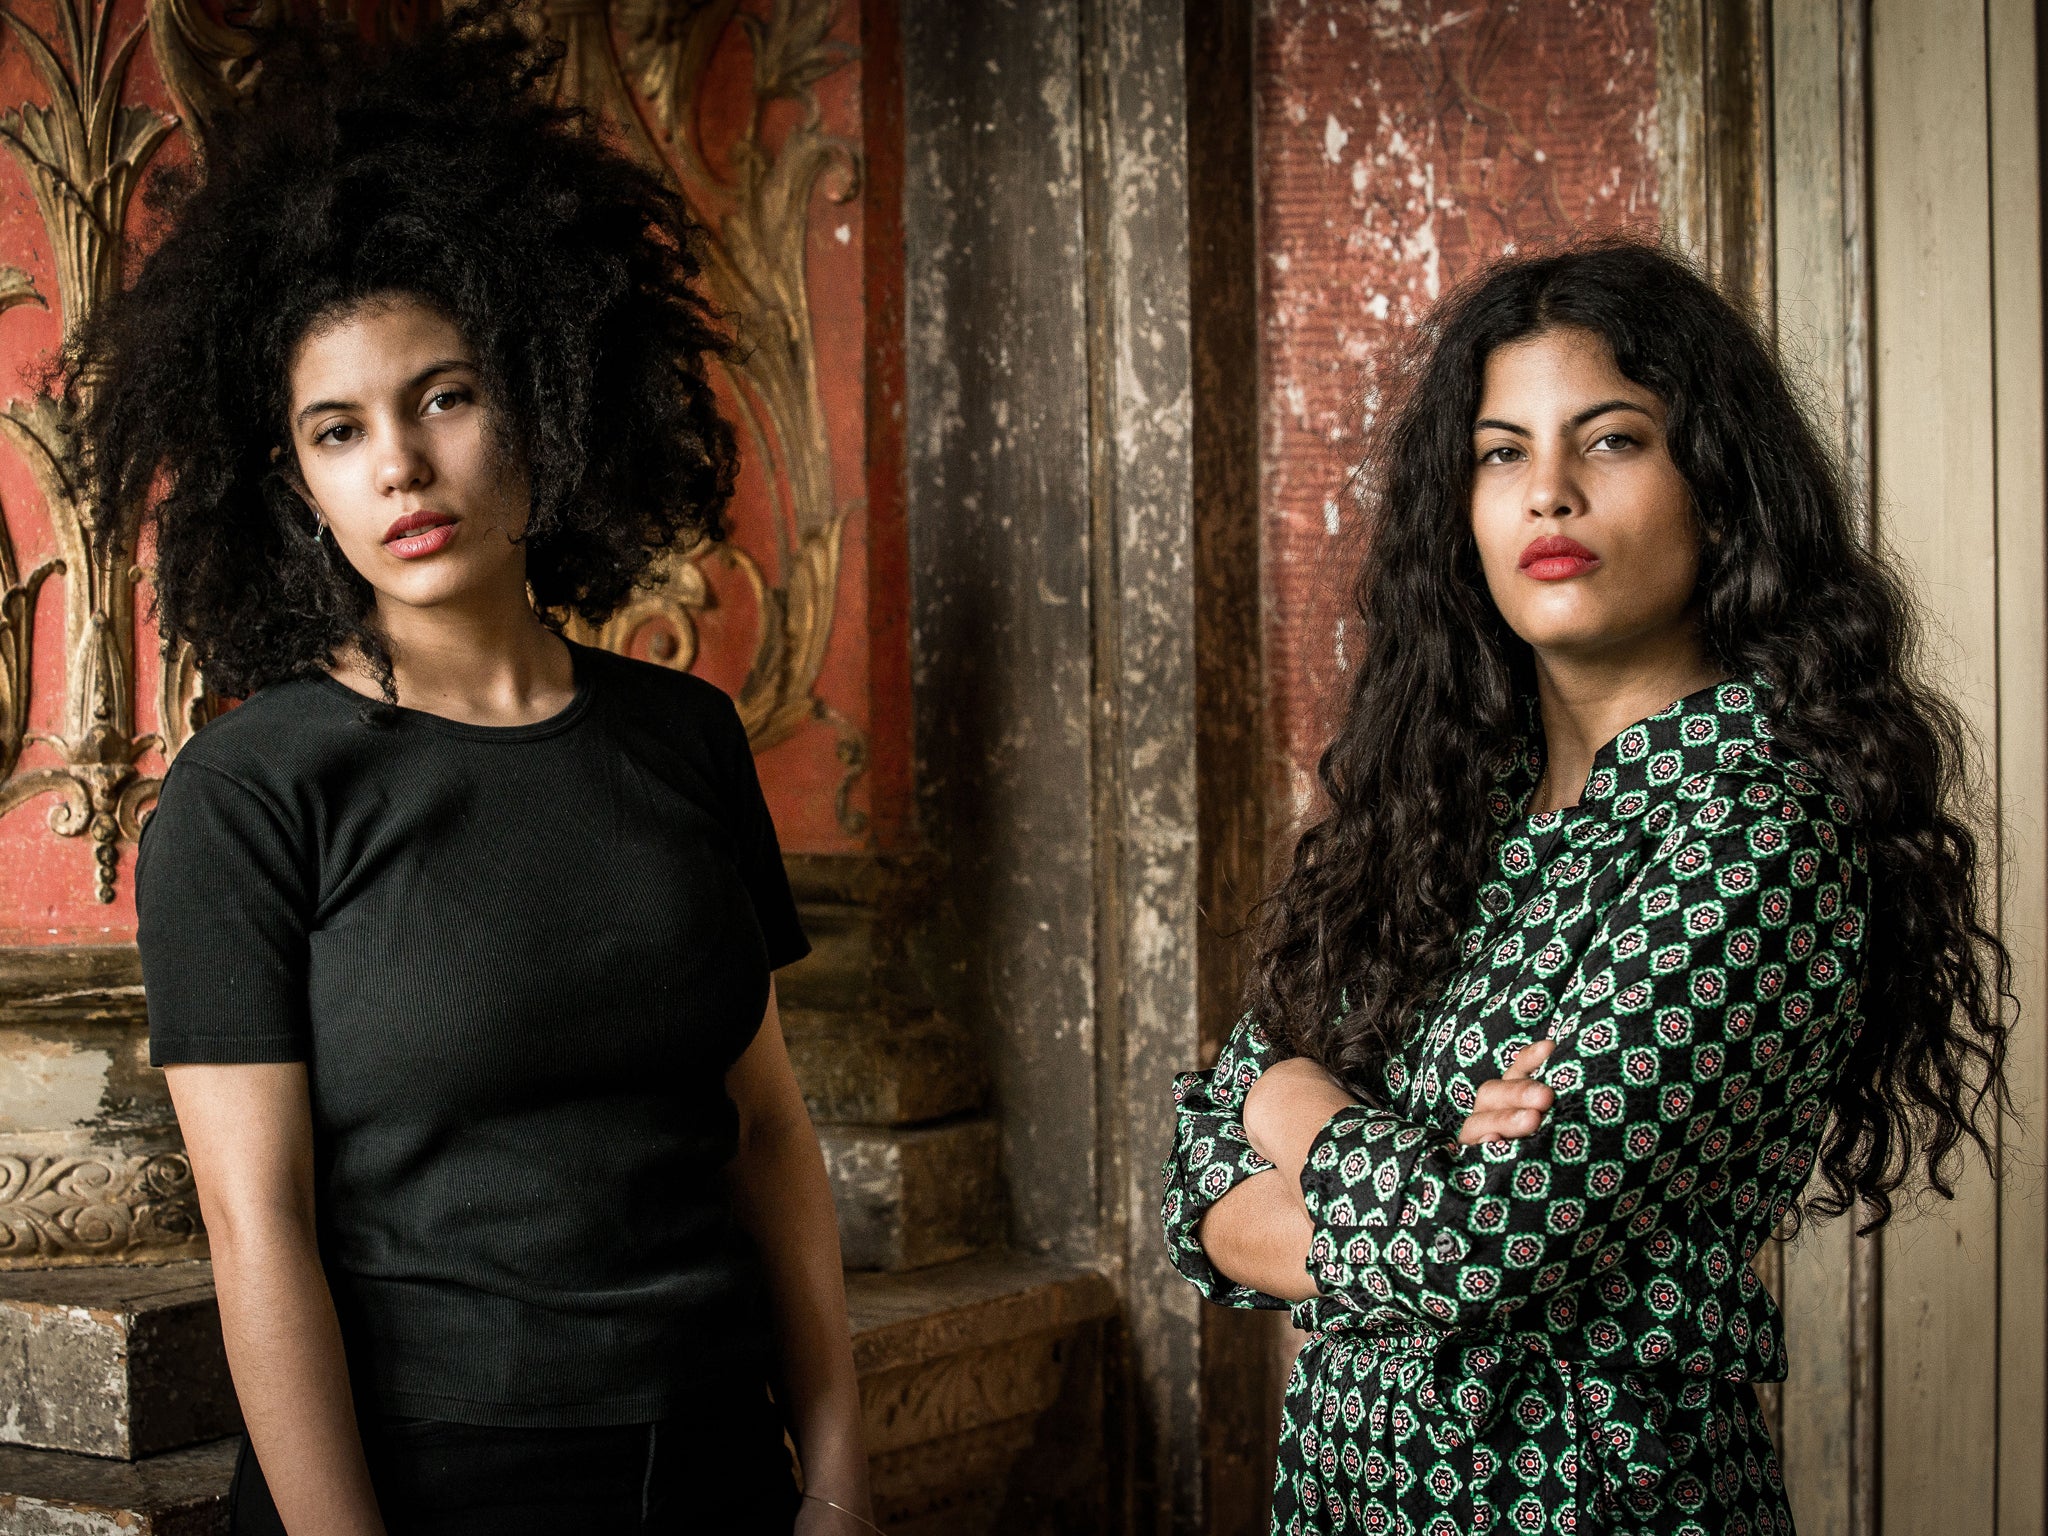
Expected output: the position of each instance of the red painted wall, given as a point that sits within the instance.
(858, 746)
(1401, 145)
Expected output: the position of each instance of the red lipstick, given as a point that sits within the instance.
(1557, 558)
(418, 534)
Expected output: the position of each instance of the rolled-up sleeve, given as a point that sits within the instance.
(1212, 1155)
(1711, 1007)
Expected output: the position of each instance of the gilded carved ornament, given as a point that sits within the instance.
(756, 222)
(84, 154)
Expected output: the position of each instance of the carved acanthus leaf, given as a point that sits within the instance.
(17, 287)
(209, 68)
(669, 44)
(793, 51)
(757, 222)
(84, 152)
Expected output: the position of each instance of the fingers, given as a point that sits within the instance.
(1512, 1106)
(1499, 1125)
(1503, 1095)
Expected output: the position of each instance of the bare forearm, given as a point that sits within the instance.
(1258, 1235)
(284, 1350)
(785, 1201)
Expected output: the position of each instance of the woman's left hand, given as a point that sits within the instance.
(1287, 1109)
(1511, 1106)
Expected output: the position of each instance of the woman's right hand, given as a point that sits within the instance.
(1512, 1105)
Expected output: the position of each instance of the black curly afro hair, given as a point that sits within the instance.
(436, 169)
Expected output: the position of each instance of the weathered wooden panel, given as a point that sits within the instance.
(2013, 58)
(1937, 508)
(1813, 297)
(1000, 535)
(1233, 757)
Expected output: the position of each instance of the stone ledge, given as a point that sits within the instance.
(982, 1396)
(858, 1069)
(992, 1298)
(911, 1197)
(117, 1362)
(180, 1493)
(93, 982)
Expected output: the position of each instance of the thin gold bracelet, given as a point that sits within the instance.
(819, 1498)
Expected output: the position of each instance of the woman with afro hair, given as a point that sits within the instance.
(1639, 898)
(457, 937)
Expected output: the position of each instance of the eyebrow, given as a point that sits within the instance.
(1588, 414)
(445, 365)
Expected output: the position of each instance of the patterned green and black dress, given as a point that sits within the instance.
(1560, 1333)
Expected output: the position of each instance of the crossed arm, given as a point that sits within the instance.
(1697, 1027)
(1258, 1234)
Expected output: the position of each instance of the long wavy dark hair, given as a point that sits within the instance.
(439, 169)
(1362, 931)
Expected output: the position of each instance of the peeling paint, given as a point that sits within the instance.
(1402, 144)
(50, 1084)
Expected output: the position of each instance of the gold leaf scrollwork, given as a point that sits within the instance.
(208, 68)
(665, 614)
(756, 215)
(83, 154)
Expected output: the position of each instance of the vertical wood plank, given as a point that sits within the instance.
(2022, 750)
(1931, 219)
(1809, 184)
(1682, 124)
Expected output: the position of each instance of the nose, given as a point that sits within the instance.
(403, 466)
(1552, 488)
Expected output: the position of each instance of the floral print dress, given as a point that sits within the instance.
(1560, 1333)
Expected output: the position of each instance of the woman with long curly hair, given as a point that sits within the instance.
(457, 937)
(1640, 896)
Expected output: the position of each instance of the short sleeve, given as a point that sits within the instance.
(759, 852)
(222, 909)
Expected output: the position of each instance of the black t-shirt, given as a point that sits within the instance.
(518, 962)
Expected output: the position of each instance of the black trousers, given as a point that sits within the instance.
(722, 1470)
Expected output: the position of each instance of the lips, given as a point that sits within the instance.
(419, 533)
(1557, 558)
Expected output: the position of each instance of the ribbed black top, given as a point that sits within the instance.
(518, 963)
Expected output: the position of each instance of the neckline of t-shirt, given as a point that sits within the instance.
(554, 724)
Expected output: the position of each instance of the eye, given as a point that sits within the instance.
(444, 400)
(1614, 442)
(1503, 453)
(333, 434)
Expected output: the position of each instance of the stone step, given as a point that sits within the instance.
(981, 1390)
(118, 1361)
(861, 1069)
(177, 1493)
(909, 1197)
